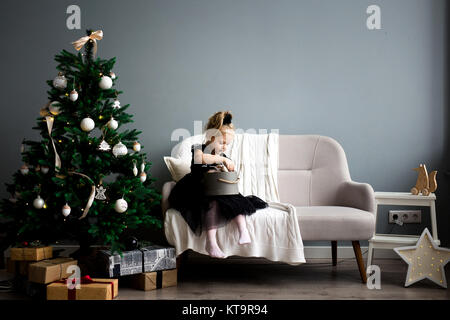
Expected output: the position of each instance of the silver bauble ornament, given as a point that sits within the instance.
(119, 150)
(87, 124)
(136, 146)
(54, 108)
(143, 176)
(105, 83)
(38, 203)
(60, 82)
(73, 95)
(121, 205)
(66, 210)
(44, 169)
(113, 124)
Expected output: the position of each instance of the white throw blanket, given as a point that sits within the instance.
(274, 231)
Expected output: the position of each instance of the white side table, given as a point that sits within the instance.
(391, 241)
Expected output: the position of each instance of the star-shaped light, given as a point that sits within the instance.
(425, 260)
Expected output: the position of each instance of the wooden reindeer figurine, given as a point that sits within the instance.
(425, 184)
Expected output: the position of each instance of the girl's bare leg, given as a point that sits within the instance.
(211, 244)
(244, 236)
(211, 222)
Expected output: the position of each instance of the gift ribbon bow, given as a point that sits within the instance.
(94, 36)
(71, 295)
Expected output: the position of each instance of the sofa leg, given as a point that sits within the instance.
(359, 259)
(334, 252)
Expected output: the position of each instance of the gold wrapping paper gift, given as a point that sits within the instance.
(31, 254)
(88, 291)
(154, 280)
(17, 267)
(47, 271)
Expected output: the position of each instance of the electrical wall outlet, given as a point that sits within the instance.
(406, 216)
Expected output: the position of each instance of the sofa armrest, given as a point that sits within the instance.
(356, 195)
(167, 188)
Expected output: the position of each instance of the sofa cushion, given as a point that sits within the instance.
(335, 223)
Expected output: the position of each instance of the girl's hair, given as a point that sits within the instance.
(217, 122)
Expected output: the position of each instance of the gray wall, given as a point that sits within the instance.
(303, 67)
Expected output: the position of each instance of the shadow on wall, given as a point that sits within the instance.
(443, 191)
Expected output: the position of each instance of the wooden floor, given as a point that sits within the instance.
(233, 279)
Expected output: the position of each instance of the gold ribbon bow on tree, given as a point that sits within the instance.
(94, 36)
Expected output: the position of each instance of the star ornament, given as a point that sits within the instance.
(425, 260)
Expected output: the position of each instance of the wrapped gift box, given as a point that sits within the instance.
(51, 270)
(31, 254)
(158, 258)
(147, 259)
(17, 267)
(115, 265)
(154, 280)
(92, 289)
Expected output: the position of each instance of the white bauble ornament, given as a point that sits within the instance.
(119, 150)
(44, 169)
(105, 83)
(24, 169)
(54, 108)
(112, 75)
(121, 205)
(143, 176)
(116, 104)
(66, 210)
(136, 146)
(60, 82)
(38, 203)
(135, 170)
(113, 124)
(87, 124)
(73, 95)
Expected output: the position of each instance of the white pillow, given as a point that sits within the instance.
(178, 168)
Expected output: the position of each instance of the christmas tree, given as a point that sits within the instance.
(61, 191)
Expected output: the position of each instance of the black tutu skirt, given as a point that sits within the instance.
(188, 198)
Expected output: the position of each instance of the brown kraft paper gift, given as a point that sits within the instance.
(51, 270)
(154, 280)
(31, 254)
(98, 289)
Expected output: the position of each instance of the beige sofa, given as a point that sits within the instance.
(313, 176)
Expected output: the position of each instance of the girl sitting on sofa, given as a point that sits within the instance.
(207, 213)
